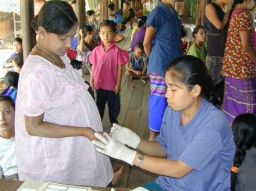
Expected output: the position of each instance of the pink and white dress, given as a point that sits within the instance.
(62, 96)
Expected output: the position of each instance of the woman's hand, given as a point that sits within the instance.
(89, 133)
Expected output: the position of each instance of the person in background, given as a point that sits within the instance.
(86, 45)
(17, 43)
(10, 82)
(106, 74)
(55, 115)
(199, 46)
(162, 44)
(194, 151)
(239, 62)
(216, 25)
(137, 66)
(244, 167)
(127, 15)
(8, 162)
(91, 20)
(140, 34)
(116, 17)
(17, 63)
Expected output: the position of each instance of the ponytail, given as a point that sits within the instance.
(244, 129)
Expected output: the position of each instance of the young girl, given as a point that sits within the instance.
(55, 114)
(239, 62)
(244, 168)
(106, 75)
(199, 47)
(8, 163)
(194, 151)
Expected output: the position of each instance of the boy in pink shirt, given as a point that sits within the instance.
(106, 75)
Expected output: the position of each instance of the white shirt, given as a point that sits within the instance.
(8, 161)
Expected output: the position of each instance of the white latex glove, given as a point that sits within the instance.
(125, 136)
(113, 148)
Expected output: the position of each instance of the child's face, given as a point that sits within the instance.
(201, 35)
(7, 116)
(17, 47)
(106, 34)
(91, 18)
(89, 36)
(138, 52)
(111, 13)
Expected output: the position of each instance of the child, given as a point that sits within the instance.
(86, 45)
(18, 51)
(106, 74)
(116, 17)
(199, 47)
(127, 15)
(140, 34)
(244, 168)
(11, 84)
(137, 66)
(91, 20)
(8, 163)
(17, 62)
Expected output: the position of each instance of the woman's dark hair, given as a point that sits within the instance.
(196, 29)
(7, 99)
(90, 12)
(11, 79)
(108, 23)
(140, 46)
(244, 130)
(192, 71)
(56, 17)
(141, 21)
(18, 39)
(111, 6)
(87, 29)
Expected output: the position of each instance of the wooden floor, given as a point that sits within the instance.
(134, 115)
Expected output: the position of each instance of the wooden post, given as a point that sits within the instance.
(198, 18)
(28, 34)
(80, 12)
(116, 2)
(103, 10)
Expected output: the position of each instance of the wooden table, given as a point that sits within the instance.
(9, 185)
(13, 185)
